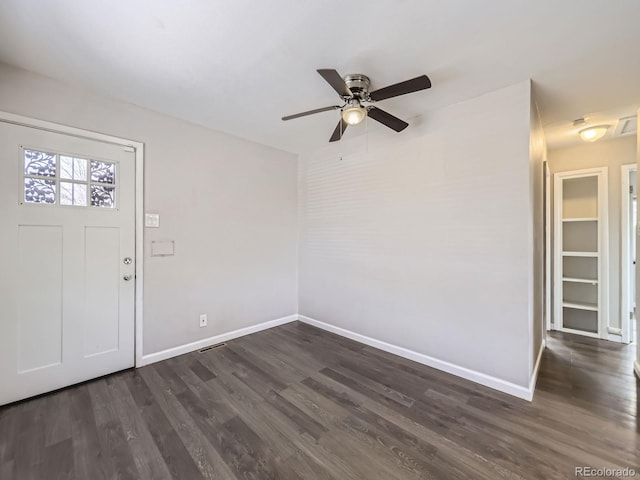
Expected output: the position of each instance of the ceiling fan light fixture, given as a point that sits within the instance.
(353, 115)
(594, 133)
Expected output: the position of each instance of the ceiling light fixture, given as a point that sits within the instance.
(354, 113)
(594, 133)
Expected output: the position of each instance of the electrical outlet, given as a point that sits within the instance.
(203, 320)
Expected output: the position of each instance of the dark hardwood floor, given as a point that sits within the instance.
(295, 402)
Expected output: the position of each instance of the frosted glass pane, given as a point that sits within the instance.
(73, 168)
(73, 194)
(103, 172)
(39, 163)
(102, 196)
(37, 190)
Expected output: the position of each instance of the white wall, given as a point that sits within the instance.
(612, 153)
(424, 240)
(229, 204)
(538, 155)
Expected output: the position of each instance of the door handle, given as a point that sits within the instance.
(127, 277)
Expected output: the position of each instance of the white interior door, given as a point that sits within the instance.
(67, 244)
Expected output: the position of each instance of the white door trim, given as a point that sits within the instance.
(547, 249)
(21, 120)
(625, 280)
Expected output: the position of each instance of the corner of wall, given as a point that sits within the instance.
(637, 367)
(537, 157)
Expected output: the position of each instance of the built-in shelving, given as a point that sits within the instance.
(580, 246)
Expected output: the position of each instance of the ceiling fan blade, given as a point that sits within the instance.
(402, 88)
(334, 79)
(387, 119)
(339, 131)
(310, 112)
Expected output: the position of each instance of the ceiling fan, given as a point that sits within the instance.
(353, 89)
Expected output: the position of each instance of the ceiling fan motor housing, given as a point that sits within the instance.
(359, 85)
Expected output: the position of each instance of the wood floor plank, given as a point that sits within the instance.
(88, 458)
(190, 423)
(304, 422)
(58, 418)
(201, 371)
(7, 471)
(273, 426)
(173, 451)
(9, 424)
(113, 441)
(58, 461)
(147, 457)
(249, 455)
(459, 461)
(297, 402)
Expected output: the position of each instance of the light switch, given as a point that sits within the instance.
(152, 220)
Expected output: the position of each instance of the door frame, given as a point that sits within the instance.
(625, 251)
(138, 150)
(547, 249)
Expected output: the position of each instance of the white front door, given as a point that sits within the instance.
(67, 244)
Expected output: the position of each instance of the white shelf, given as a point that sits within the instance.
(579, 254)
(580, 280)
(579, 332)
(583, 219)
(581, 306)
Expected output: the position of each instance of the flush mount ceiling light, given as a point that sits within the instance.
(594, 133)
(354, 113)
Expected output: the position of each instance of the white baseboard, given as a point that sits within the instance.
(478, 377)
(206, 342)
(636, 367)
(534, 374)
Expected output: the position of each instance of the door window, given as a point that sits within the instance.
(57, 179)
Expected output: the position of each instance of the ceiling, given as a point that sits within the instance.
(238, 66)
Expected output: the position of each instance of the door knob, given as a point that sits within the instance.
(127, 277)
